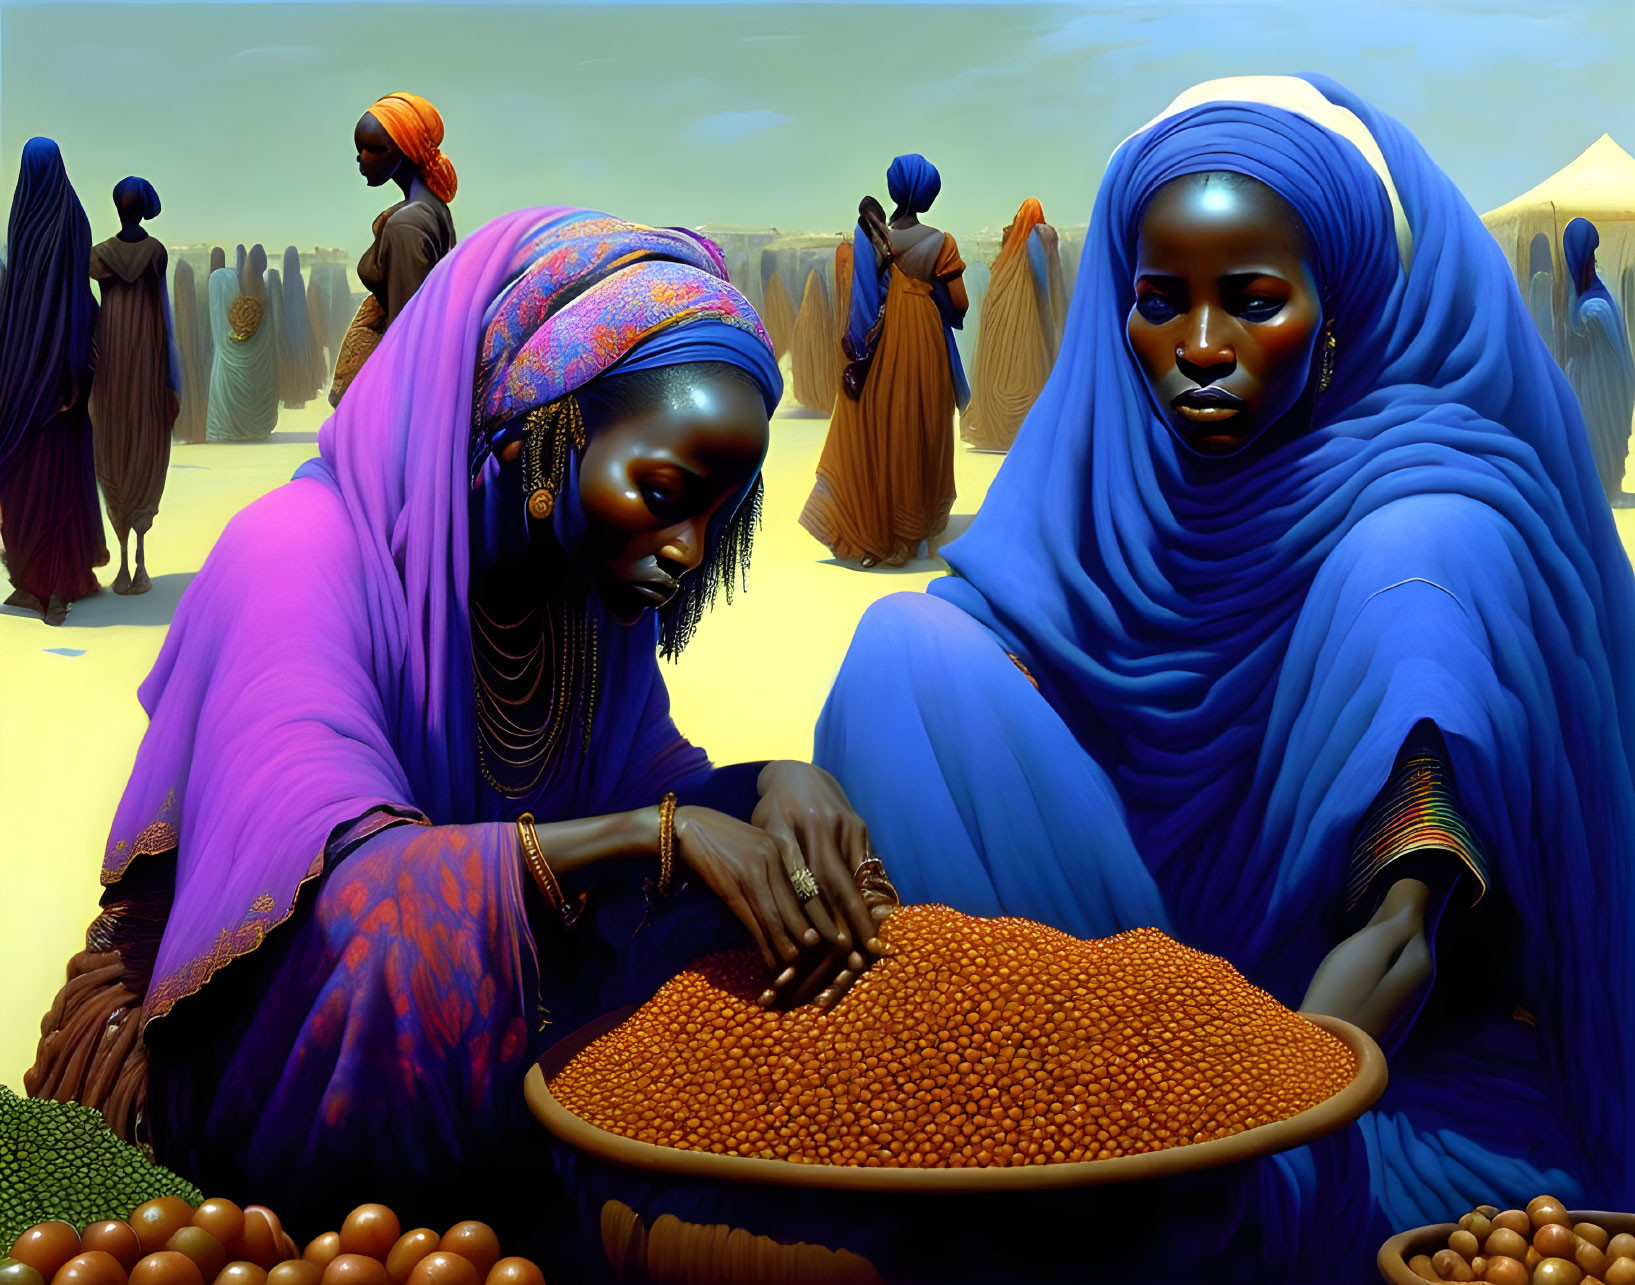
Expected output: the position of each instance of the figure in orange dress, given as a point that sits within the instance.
(1020, 331)
(885, 482)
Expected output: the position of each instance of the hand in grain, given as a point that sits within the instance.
(743, 866)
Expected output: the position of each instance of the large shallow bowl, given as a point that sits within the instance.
(1325, 1118)
(1395, 1253)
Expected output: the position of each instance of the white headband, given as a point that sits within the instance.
(1301, 98)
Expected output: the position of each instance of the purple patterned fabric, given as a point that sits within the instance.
(538, 348)
(319, 666)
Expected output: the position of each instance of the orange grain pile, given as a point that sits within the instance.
(979, 1042)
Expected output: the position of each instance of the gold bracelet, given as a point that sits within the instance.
(534, 857)
(667, 845)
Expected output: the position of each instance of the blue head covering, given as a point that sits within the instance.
(1578, 245)
(47, 310)
(913, 183)
(133, 186)
(1231, 655)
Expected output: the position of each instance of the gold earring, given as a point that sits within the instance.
(553, 426)
(1326, 375)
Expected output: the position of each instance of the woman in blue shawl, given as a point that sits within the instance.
(243, 403)
(1167, 689)
(48, 489)
(1598, 360)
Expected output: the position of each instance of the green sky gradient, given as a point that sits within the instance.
(755, 114)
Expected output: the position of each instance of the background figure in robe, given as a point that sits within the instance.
(253, 274)
(1599, 363)
(242, 373)
(218, 259)
(1016, 345)
(275, 321)
(253, 286)
(191, 353)
(134, 397)
(977, 276)
(240, 257)
(399, 141)
(778, 313)
(340, 305)
(816, 367)
(1540, 291)
(885, 482)
(317, 333)
(295, 386)
(51, 521)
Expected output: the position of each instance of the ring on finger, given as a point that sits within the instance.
(805, 884)
(870, 865)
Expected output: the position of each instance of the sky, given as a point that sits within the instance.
(753, 114)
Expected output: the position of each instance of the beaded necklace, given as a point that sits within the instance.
(523, 720)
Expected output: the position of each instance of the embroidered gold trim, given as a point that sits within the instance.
(229, 945)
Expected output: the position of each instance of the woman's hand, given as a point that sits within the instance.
(744, 867)
(1374, 976)
(804, 810)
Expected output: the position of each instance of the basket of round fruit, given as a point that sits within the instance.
(168, 1242)
(1543, 1244)
(984, 1063)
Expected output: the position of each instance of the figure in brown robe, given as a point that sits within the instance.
(195, 358)
(398, 141)
(133, 397)
(885, 481)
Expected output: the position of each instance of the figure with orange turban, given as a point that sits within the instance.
(399, 141)
(885, 481)
(1022, 316)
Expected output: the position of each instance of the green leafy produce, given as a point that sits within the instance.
(60, 1160)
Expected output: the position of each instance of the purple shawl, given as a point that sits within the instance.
(319, 666)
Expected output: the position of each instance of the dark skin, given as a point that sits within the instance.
(650, 486)
(382, 161)
(1227, 315)
(1227, 300)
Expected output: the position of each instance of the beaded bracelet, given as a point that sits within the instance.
(667, 846)
(534, 856)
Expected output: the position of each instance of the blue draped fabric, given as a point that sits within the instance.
(1229, 657)
(47, 309)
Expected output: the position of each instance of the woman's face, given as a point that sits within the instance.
(1226, 312)
(378, 156)
(651, 484)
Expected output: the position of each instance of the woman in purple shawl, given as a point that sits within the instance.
(447, 623)
(48, 487)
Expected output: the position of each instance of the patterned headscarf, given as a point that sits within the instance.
(585, 292)
(417, 128)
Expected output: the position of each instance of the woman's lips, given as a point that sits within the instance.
(1207, 405)
(654, 591)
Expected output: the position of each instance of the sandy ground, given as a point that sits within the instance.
(749, 687)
